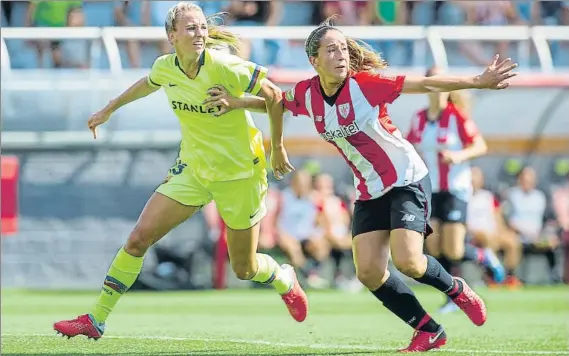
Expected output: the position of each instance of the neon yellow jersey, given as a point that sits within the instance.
(221, 148)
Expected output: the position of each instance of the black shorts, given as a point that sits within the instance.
(406, 207)
(448, 208)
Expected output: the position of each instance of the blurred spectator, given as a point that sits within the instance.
(488, 13)
(75, 52)
(526, 209)
(298, 234)
(154, 14)
(486, 225)
(550, 13)
(334, 222)
(255, 13)
(290, 53)
(129, 13)
(6, 13)
(351, 13)
(49, 14)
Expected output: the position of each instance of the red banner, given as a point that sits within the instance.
(9, 194)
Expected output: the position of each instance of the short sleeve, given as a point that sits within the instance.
(244, 76)
(294, 99)
(467, 129)
(156, 73)
(380, 89)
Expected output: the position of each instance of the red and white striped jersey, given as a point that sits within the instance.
(453, 132)
(359, 127)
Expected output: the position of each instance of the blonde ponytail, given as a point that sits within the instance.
(218, 36)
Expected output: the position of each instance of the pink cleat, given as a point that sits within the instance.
(83, 325)
(423, 341)
(295, 300)
(471, 304)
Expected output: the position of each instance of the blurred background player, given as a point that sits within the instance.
(297, 227)
(447, 140)
(334, 221)
(235, 144)
(527, 215)
(486, 225)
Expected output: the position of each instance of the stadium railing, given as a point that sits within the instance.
(434, 37)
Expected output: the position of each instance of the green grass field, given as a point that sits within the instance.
(255, 322)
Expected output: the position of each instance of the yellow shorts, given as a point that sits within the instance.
(241, 203)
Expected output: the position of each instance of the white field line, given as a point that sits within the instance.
(313, 346)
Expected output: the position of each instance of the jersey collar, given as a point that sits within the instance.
(200, 64)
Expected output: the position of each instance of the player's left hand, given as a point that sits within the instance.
(497, 73)
(450, 157)
(280, 163)
(220, 98)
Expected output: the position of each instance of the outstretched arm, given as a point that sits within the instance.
(138, 90)
(494, 77)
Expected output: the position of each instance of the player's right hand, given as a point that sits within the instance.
(280, 163)
(97, 119)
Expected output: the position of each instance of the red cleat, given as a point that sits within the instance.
(423, 341)
(296, 300)
(471, 304)
(83, 325)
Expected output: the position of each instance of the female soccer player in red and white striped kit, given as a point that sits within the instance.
(447, 140)
(347, 101)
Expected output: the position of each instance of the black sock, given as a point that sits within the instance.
(400, 300)
(510, 272)
(337, 256)
(436, 276)
(473, 253)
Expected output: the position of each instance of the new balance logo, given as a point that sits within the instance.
(408, 217)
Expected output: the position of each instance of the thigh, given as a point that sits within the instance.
(371, 215)
(182, 186)
(160, 215)
(411, 207)
(241, 203)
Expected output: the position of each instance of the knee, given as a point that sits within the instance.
(318, 249)
(454, 252)
(370, 275)
(434, 252)
(411, 266)
(138, 242)
(243, 270)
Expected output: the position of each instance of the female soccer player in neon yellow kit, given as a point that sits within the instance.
(221, 158)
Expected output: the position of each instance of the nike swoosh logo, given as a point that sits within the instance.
(254, 214)
(432, 339)
(172, 85)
